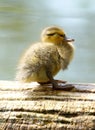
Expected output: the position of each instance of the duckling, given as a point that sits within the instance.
(43, 60)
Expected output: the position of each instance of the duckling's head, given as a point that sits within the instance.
(55, 35)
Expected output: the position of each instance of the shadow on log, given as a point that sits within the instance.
(34, 107)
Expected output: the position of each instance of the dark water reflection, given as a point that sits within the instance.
(21, 22)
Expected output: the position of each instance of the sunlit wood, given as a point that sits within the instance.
(31, 106)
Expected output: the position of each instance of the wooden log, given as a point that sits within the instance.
(29, 106)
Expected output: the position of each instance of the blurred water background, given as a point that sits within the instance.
(21, 22)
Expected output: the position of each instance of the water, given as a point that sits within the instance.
(22, 21)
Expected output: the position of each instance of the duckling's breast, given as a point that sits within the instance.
(66, 52)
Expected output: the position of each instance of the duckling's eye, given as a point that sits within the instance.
(63, 35)
(50, 34)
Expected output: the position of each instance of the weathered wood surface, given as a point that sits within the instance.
(35, 107)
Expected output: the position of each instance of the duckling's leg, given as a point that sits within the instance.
(66, 87)
(54, 82)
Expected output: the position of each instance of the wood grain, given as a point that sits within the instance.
(34, 107)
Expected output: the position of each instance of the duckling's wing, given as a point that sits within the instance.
(37, 59)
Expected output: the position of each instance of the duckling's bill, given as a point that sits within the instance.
(70, 40)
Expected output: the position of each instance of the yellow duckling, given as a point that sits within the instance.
(43, 60)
